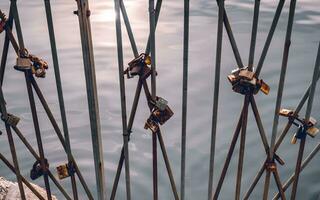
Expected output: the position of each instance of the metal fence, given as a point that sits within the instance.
(244, 80)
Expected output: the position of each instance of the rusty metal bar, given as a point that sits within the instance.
(6, 46)
(216, 97)
(43, 162)
(128, 27)
(92, 95)
(25, 181)
(123, 98)
(59, 134)
(167, 163)
(60, 92)
(307, 118)
(244, 122)
(157, 14)
(269, 37)
(254, 33)
(184, 97)
(228, 158)
(305, 162)
(37, 157)
(4, 115)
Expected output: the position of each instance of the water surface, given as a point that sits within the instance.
(203, 23)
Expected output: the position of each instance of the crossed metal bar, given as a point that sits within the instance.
(127, 126)
(30, 82)
(249, 99)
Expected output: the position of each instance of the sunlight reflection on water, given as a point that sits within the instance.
(203, 21)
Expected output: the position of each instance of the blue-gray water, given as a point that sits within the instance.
(203, 23)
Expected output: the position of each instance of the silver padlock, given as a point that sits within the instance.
(161, 103)
(23, 64)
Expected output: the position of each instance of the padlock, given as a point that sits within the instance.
(161, 103)
(265, 88)
(312, 131)
(37, 170)
(23, 64)
(286, 112)
(10, 119)
(138, 66)
(294, 139)
(312, 122)
(39, 66)
(243, 81)
(62, 171)
(162, 115)
(299, 134)
(151, 124)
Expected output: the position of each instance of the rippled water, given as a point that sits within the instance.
(306, 35)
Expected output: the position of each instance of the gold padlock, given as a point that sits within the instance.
(23, 64)
(63, 171)
(286, 112)
(294, 139)
(312, 131)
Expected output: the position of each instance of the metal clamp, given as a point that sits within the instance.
(304, 127)
(243, 81)
(10, 119)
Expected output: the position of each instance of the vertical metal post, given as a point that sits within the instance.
(155, 166)
(6, 46)
(228, 158)
(4, 115)
(123, 98)
(242, 145)
(92, 95)
(184, 96)
(269, 37)
(216, 97)
(157, 14)
(129, 30)
(307, 118)
(280, 92)
(254, 33)
(303, 165)
(152, 47)
(60, 92)
(153, 93)
(25, 181)
(43, 162)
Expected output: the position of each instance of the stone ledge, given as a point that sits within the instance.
(10, 191)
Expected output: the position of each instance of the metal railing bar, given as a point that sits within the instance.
(269, 37)
(184, 97)
(92, 95)
(254, 33)
(37, 157)
(43, 163)
(25, 181)
(307, 118)
(228, 158)
(59, 134)
(244, 122)
(215, 97)
(123, 98)
(59, 91)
